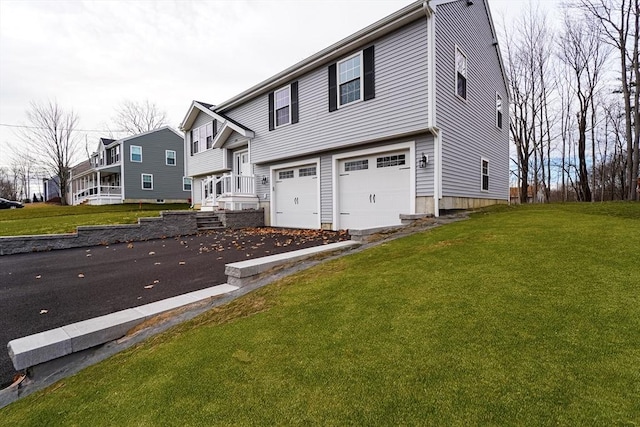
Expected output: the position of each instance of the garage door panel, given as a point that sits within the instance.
(296, 197)
(373, 190)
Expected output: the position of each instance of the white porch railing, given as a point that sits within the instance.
(227, 185)
(101, 194)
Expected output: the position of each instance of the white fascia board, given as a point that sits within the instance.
(190, 117)
(128, 138)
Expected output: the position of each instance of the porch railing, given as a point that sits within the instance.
(228, 185)
(97, 192)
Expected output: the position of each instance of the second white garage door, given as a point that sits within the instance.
(373, 190)
(296, 197)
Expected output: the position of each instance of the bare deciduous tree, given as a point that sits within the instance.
(619, 21)
(51, 139)
(138, 117)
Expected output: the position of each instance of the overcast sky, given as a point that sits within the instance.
(90, 56)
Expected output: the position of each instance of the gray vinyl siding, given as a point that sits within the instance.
(468, 127)
(326, 189)
(399, 106)
(424, 176)
(205, 161)
(167, 180)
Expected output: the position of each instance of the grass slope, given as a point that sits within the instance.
(41, 218)
(520, 316)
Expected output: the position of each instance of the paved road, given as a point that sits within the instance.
(46, 290)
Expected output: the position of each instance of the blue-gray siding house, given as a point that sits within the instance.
(147, 168)
(407, 116)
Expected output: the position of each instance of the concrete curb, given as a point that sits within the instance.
(42, 347)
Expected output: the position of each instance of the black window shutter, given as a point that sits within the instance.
(215, 128)
(294, 102)
(271, 112)
(369, 73)
(191, 141)
(333, 89)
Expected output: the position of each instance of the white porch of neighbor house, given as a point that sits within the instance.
(97, 188)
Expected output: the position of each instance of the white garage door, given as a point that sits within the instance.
(373, 190)
(296, 197)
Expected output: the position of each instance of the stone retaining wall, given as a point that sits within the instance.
(242, 219)
(168, 224)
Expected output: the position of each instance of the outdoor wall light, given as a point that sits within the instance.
(265, 180)
(423, 161)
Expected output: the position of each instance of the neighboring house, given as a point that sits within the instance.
(51, 188)
(147, 168)
(407, 116)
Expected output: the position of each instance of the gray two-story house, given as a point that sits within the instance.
(144, 168)
(407, 116)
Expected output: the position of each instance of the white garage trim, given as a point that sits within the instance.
(272, 174)
(410, 145)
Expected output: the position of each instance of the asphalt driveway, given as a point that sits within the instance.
(46, 290)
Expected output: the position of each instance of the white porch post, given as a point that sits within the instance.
(99, 184)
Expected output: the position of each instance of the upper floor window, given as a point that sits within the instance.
(114, 155)
(202, 137)
(283, 106)
(136, 153)
(147, 181)
(195, 140)
(186, 183)
(170, 157)
(461, 74)
(282, 102)
(498, 111)
(352, 79)
(485, 175)
(349, 76)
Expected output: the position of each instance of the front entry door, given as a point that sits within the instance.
(241, 167)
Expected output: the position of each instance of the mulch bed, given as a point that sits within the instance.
(46, 290)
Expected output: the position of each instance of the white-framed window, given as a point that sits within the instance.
(485, 174)
(310, 171)
(170, 157)
(186, 183)
(285, 174)
(136, 154)
(147, 181)
(208, 132)
(461, 73)
(356, 165)
(202, 137)
(282, 106)
(498, 111)
(349, 79)
(114, 155)
(195, 140)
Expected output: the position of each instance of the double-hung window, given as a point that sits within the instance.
(186, 184)
(461, 73)
(209, 134)
(282, 99)
(136, 154)
(498, 110)
(195, 140)
(283, 106)
(170, 156)
(485, 175)
(349, 78)
(147, 181)
(352, 79)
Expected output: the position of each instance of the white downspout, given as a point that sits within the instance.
(431, 112)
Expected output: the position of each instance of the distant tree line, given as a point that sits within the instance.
(574, 122)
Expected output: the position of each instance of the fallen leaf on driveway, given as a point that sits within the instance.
(156, 282)
(38, 276)
(148, 287)
(130, 245)
(88, 254)
(81, 275)
(44, 311)
(157, 263)
(181, 263)
(152, 253)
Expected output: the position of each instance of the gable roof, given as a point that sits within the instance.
(227, 125)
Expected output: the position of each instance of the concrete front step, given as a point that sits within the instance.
(208, 221)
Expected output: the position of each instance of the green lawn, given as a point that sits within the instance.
(41, 218)
(519, 316)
